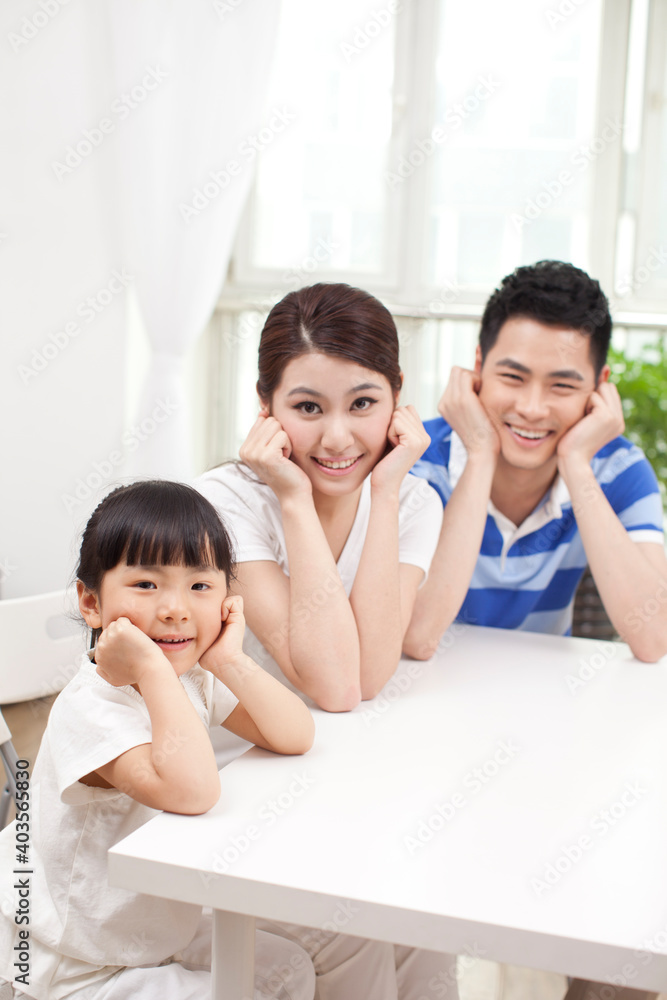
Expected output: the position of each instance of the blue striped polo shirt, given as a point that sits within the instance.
(526, 576)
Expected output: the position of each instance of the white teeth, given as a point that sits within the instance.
(531, 435)
(336, 465)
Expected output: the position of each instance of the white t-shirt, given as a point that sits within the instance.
(252, 515)
(251, 512)
(81, 929)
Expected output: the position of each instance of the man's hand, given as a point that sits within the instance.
(602, 422)
(461, 407)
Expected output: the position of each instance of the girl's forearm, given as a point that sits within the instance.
(376, 597)
(281, 716)
(181, 758)
(323, 640)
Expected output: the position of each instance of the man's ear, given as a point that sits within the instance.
(89, 605)
(478, 360)
(604, 375)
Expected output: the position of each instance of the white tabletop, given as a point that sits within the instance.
(507, 799)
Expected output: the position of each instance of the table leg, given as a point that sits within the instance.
(233, 964)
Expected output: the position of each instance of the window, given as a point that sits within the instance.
(319, 190)
(436, 145)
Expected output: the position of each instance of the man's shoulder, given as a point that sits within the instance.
(617, 457)
(434, 463)
(629, 483)
(440, 433)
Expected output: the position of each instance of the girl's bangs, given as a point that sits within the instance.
(172, 545)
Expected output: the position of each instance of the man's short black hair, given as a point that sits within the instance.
(557, 294)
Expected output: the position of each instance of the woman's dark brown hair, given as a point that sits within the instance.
(334, 319)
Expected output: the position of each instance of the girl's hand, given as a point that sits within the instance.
(124, 653)
(267, 451)
(228, 647)
(406, 433)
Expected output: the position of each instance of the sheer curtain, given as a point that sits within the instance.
(116, 113)
(191, 81)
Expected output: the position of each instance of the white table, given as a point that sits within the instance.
(506, 799)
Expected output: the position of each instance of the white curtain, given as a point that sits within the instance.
(113, 114)
(192, 82)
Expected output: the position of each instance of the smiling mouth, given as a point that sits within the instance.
(179, 643)
(341, 463)
(528, 435)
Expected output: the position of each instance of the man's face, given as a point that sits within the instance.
(536, 382)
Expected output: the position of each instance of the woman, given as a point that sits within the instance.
(333, 535)
(333, 538)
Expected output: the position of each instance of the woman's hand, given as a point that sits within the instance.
(124, 653)
(409, 439)
(267, 451)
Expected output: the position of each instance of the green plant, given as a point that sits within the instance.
(641, 379)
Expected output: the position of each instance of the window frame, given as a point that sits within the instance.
(401, 283)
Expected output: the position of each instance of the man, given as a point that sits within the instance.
(536, 482)
(535, 479)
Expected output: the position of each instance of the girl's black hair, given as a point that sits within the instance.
(153, 523)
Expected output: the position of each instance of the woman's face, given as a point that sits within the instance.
(336, 414)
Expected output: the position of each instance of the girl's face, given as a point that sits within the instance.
(336, 415)
(178, 607)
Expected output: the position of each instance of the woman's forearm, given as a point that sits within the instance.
(376, 597)
(323, 638)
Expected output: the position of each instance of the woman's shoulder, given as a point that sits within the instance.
(235, 490)
(231, 478)
(415, 489)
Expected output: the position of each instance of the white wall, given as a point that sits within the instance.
(113, 112)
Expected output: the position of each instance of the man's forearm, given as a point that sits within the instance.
(625, 578)
(440, 598)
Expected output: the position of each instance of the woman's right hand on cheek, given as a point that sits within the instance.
(267, 451)
(123, 653)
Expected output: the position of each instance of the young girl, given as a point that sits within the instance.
(128, 736)
(333, 538)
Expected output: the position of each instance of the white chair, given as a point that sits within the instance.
(42, 644)
(8, 755)
(41, 641)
